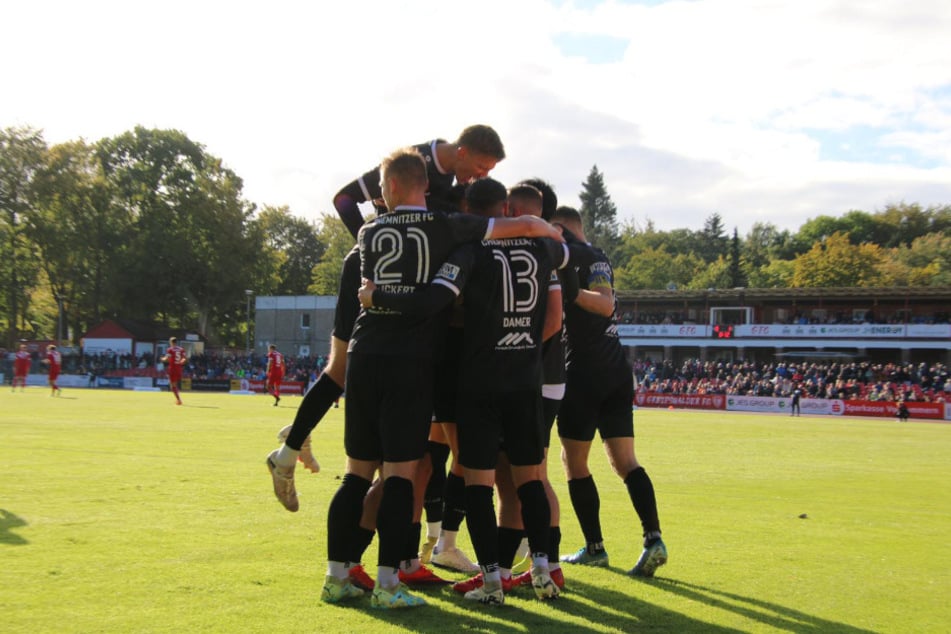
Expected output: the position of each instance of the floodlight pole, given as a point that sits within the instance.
(247, 324)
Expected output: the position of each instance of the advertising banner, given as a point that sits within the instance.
(287, 387)
(833, 407)
(110, 381)
(931, 411)
(692, 401)
(211, 385)
(74, 380)
(132, 382)
(870, 331)
(663, 330)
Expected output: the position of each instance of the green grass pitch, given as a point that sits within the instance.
(120, 512)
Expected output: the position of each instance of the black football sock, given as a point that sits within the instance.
(509, 540)
(554, 543)
(641, 490)
(587, 504)
(536, 516)
(343, 517)
(454, 509)
(360, 542)
(433, 502)
(411, 550)
(394, 520)
(480, 520)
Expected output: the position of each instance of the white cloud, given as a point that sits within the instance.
(714, 106)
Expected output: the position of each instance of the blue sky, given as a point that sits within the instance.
(759, 111)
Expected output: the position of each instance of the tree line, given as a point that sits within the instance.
(148, 225)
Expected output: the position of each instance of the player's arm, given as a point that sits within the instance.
(425, 301)
(523, 227)
(363, 189)
(554, 311)
(598, 300)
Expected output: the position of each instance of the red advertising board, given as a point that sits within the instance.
(889, 409)
(692, 401)
(287, 387)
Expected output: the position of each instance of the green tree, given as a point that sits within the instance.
(765, 242)
(736, 273)
(22, 154)
(599, 214)
(337, 241)
(925, 262)
(190, 257)
(775, 274)
(713, 241)
(294, 246)
(838, 262)
(77, 228)
(656, 268)
(713, 275)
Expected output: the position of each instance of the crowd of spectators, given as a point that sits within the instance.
(208, 365)
(862, 380)
(841, 380)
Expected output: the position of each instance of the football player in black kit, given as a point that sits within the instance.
(450, 166)
(505, 306)
(473, 155)
(598, 396)
(389, 359)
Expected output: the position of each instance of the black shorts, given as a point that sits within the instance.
(512, 418)
(389, 407)
(446, 377)
(591, 406)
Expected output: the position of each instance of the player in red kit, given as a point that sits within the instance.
(55, 361)
(174, 360)
(275, 373)
(21, 367)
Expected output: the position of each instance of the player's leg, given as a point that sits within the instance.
(173, 386)
(617, 431)
(412, 571)
(438, 451)
(524, 435)
(446, 552)
(402, 407)
(343, 530)
(313, 407)
(576, 427)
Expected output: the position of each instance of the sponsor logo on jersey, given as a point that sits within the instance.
(449, 271)
(515, 340)
(517, 322)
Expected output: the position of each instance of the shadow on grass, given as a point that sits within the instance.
(771, 614)
(8, 522)
(582, 608)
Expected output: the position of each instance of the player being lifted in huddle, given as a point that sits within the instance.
(275, 373)
(391, 358)
(473, 155)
